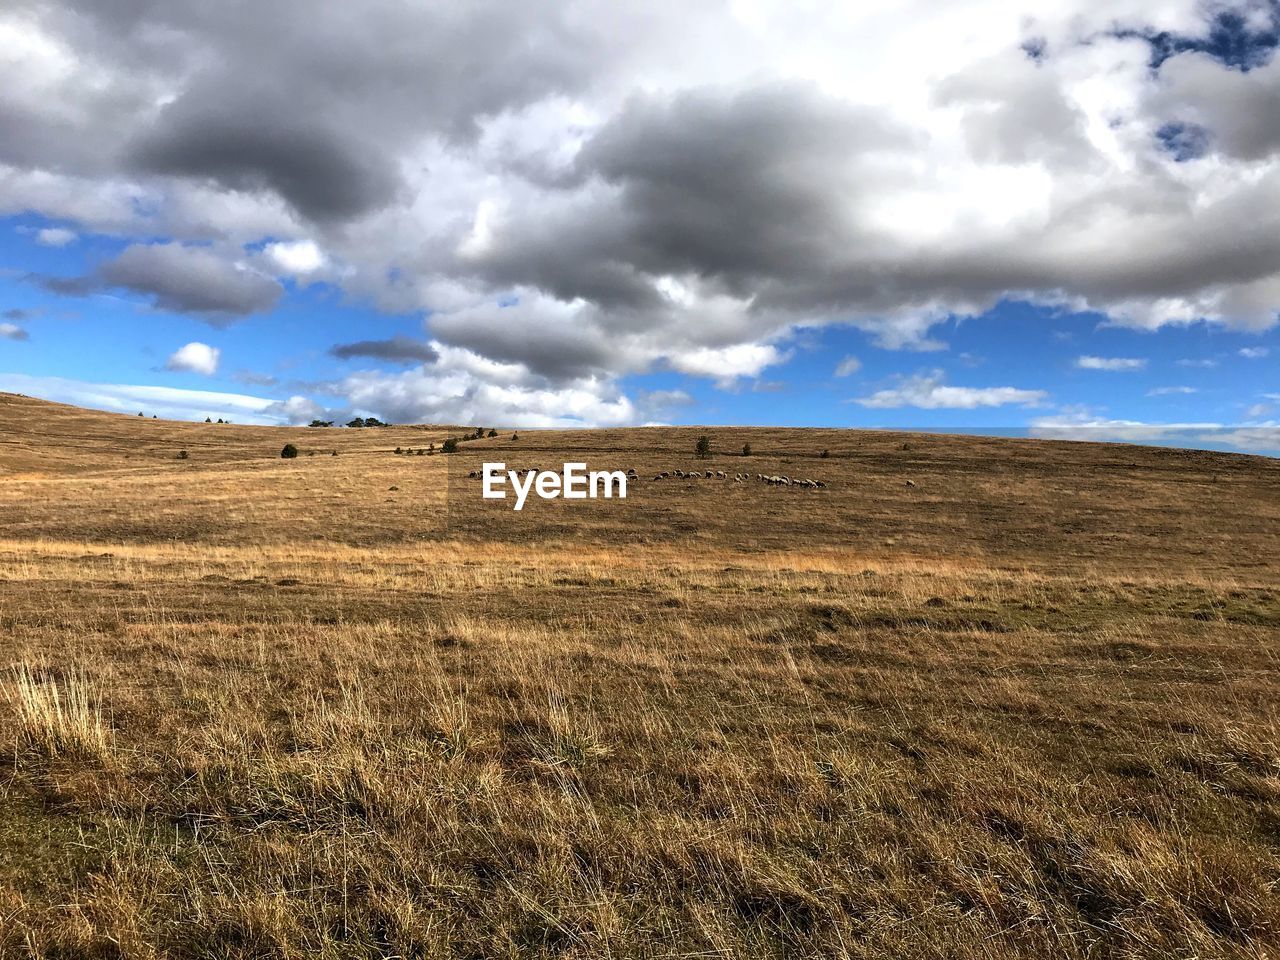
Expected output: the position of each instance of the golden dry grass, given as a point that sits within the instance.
(707, 721)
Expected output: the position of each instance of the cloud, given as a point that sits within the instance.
(575, 193)
(1254, 353)
(1201, 362)
(1112, 364)
(17, 313)
(1170, 391)
(195, 358)
(194, 280)
(167, 402)
(928, 392)
(726, 364)
(297, 258)
(297, 409)
(11, 331)
(249, 378)
(55, 237)
(395, 350)
(848, 366)
(1083, 425)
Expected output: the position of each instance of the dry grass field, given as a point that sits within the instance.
(339, 707)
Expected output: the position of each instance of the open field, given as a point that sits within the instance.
(262, 708)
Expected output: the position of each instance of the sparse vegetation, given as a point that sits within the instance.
(246, 711)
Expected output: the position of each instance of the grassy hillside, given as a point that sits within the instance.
(252, 707)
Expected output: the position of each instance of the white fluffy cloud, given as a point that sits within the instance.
(297, 258)
(11, 331)
(1111, 364)
(195, 357)
(1254, 353)
(55, 237)
(929, 392)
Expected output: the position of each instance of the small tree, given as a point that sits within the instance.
(515, 437)
(141, 414)
(357, 422)
(208, 419)
(289, 451)
(449, 446)
(220, 420)
(492, 434)
(431, 447)
(320, 423)
(703, 447)
(746, 449)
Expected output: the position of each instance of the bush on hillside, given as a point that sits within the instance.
(289, 451)
(449, 446)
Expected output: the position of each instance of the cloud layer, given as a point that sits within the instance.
(573, 192)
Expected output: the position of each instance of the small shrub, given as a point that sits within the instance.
(825, 454)
(398, 450)
(703, 447)
(333, 453)
(183, 455)
(208, 419)
(516, 436)
(449, 446)
(289, 451)
(746, 449)
(492, 434)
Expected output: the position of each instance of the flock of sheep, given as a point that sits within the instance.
(772, 479)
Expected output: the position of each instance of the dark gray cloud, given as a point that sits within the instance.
(191, 280)
(322, 174)
(17, 314)
(396, 350)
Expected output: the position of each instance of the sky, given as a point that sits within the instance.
(1056, 219)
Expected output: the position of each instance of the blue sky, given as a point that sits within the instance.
(1059, 221)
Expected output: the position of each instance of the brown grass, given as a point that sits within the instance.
(769, 735)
